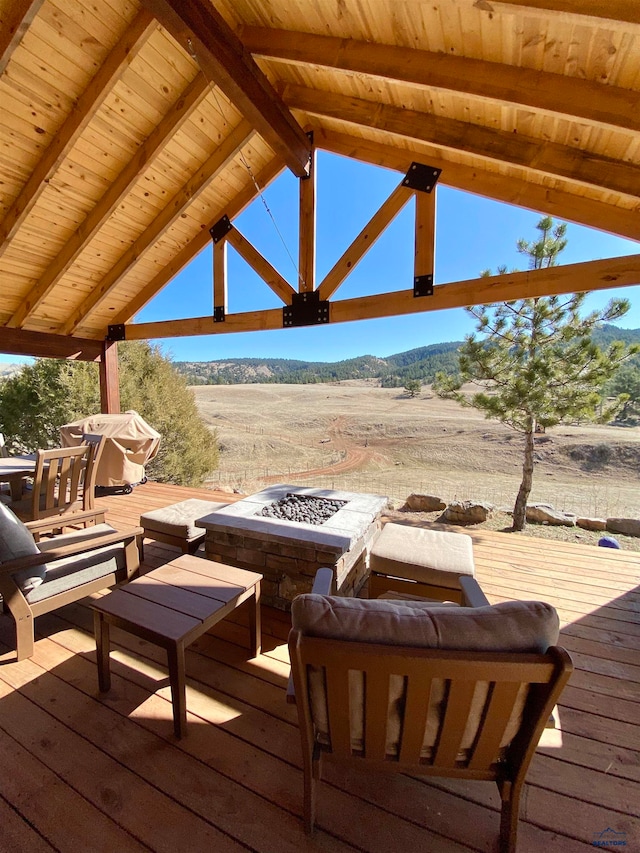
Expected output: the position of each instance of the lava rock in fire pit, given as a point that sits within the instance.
(303, 508)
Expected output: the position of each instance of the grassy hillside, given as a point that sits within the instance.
(421, 363)
(393, 371)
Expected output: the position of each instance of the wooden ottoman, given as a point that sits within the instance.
(176, 524)
(418, 561)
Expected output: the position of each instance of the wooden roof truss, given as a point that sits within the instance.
(126, 129)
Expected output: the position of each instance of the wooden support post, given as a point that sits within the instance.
(425, 246)
(307, 252)
(109, 385)
(220, 275)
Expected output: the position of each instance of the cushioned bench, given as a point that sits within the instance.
(418, 561)
(176, 524)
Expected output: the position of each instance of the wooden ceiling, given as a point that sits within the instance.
(128, 130)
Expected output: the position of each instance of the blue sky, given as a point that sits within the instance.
(473, 234)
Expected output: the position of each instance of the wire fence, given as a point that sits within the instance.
(598, 500)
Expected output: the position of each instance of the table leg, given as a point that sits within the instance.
(101, 628)
(255, 628)
(175, 655)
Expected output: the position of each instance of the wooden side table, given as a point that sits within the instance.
(172, 606)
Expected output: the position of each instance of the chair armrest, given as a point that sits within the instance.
(83, 547)
(472, 594)
(322, 585)
(323, 582)
(46, 525)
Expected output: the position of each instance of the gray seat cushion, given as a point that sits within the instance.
(431, 556)
(512, 626)
(16, 541)
(179, 519)
(56, 576)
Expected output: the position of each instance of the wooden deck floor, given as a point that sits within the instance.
(85, 773)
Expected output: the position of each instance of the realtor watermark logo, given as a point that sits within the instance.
(609, 838)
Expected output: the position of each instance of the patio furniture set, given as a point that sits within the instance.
(424, 676)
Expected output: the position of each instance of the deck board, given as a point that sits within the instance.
(91, 772)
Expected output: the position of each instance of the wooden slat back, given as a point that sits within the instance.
(486, 685)
(96, 444)
(57, 479)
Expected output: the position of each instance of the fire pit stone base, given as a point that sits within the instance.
(289, 553)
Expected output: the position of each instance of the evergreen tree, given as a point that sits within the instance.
(413, 387)
(535, 360)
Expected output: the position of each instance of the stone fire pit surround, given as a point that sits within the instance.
(288, 553)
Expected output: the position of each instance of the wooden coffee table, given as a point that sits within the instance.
(172, 606)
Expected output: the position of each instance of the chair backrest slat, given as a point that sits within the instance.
(499, 710)
(453, 722)
(56, 483)
(96, 445)
(414, 722)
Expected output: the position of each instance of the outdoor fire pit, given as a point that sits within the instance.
(287, 533)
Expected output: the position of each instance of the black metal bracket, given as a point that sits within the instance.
(220, 230)
(218, 314)
(306, 309)
(423, 285)
(116, 332)
(422, 178)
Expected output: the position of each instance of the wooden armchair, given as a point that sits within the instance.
(63, 486)
(463, 692)
(38, 577)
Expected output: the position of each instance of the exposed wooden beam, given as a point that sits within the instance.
(109, 379)
(307, 232)
(557, 93)
(205, 34)
(425, 234)
(220, 276)
(572, 278)
(616, 11)
(202, 239)
(547, 158)
(221, 157)
(364, 241)
(42, 345)
(512, 190)
(64, 139)
(15, 20)
(261, 266)
(154, 143)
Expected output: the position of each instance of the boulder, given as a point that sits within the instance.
(592, 523)
(545, 514)
(626, 526)
(466, 512)
(425, 503)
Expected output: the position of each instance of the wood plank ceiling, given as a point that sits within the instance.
(128, 129)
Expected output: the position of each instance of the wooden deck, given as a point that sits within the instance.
(85, 773)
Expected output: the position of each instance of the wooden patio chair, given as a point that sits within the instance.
(62, 487)
(38, 577)
(462, 692)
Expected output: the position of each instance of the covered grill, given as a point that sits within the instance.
(130, 443)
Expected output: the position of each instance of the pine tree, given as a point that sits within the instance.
(535, 360)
